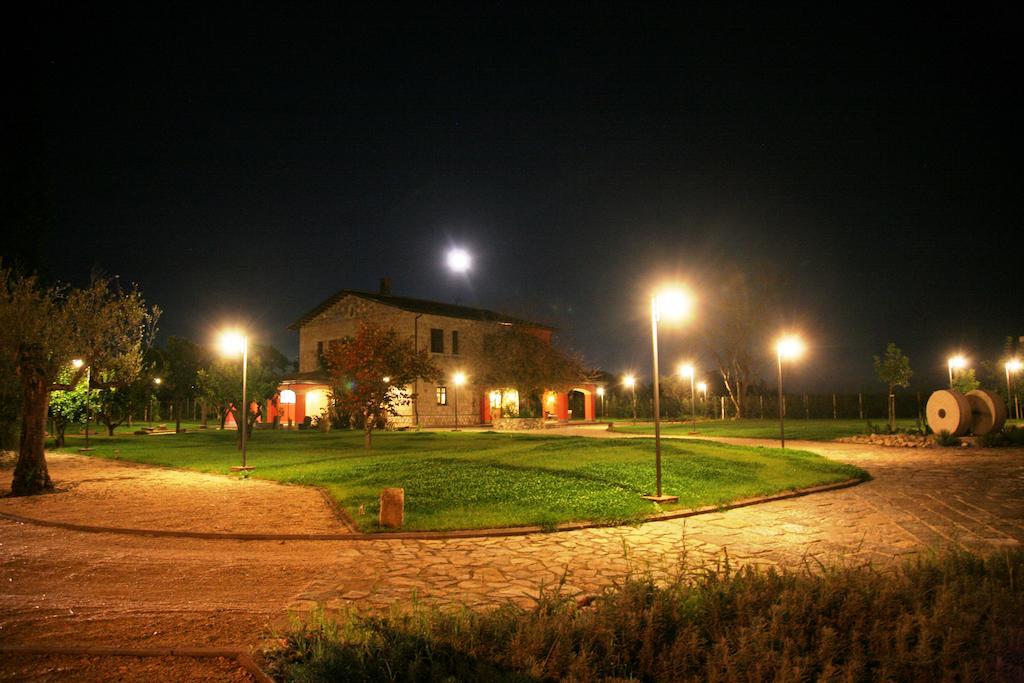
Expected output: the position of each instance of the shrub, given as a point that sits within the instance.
(944, 438)
(994, 440)
(1015, 435)
(950, 616)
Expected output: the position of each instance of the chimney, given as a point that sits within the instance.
(385, 286)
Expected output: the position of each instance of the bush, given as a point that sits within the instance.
(1015, 435)
(953, 616)
(944, 438)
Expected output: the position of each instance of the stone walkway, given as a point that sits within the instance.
(126, 590)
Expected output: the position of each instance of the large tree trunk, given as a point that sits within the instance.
(30, 474)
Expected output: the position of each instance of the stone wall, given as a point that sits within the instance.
(517, 423)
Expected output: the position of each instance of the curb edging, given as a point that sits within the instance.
(430, 535)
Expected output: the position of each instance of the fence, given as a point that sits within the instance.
(862, 406)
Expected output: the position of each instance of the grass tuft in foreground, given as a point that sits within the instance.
(951, 616)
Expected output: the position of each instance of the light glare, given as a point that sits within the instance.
(459, 378)
(957, 362)
(459, 260)
(231, 342)
(673, 304)
(790, 347)
(629, 381)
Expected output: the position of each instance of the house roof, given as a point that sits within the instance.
(417, 306)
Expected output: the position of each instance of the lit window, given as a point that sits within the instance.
(442, 396)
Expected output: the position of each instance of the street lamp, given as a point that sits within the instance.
(789, 347)
(77, 365)
(458, 379)
(600, 394)
(629, 381)
(957, 362)
(1013, 365)
(671, 304)
(702, 387)
(233, 342)
(687, 370)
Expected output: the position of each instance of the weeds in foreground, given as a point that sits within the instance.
(948, 616)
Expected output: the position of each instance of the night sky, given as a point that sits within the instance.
(243, 165)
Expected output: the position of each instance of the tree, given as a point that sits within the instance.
(181, 361)
(964, 380)
(220, 382)
(358, 366)
(43, 328)
(70, 406)
(515, 357)
(893, 369)
(736, 333)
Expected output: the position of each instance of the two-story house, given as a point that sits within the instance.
(453, 335)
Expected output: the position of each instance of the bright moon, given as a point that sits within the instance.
(458, 260)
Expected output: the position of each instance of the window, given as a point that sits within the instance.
(436, 341)
(442, 396)
(455, 342)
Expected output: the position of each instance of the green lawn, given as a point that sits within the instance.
(472, 480)
(812, 430)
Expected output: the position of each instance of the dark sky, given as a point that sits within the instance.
(244, 164)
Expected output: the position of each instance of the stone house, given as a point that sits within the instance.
(454, 336)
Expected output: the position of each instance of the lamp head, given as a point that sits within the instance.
(672, 303)
(459, 378)
(1014, 365)
(686, 370)
(232, 342)
(789, 347)
(629, 381)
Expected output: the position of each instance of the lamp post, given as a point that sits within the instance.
(702, 387)
(630, 383)
(688, 371)
(1013, 365)
(77, 364)
(231, 343)
(672, 304)
(788, 347)
(957, 362)
(458, 379)
(600, 394)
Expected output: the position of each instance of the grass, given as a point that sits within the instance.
(951, 617)
(810, 430)
(472, 480)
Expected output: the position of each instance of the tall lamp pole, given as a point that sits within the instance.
(1013, 365)
(231, 343)
(672, 304)
(458, 379)
(788, 347)
(689, 371)
(957, 362)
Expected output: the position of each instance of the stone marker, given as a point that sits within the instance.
(392, 508)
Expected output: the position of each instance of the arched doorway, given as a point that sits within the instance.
(577, 405)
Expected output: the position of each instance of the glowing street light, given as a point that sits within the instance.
(629, 381)
(233, 342)
(600, 394)
(687, 370)
(459, 260)
(957, 362)
(672, 304)
(1014, 366)
(789, 347)
(458, 379)
(77, 365)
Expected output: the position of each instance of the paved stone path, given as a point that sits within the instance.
(131, 591)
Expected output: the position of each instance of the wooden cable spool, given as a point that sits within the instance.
(949, 411)
(988, 412)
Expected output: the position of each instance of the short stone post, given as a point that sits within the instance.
(392, 508)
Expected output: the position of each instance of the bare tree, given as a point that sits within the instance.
(737, 333)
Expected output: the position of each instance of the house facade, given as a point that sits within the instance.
(452, 334)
